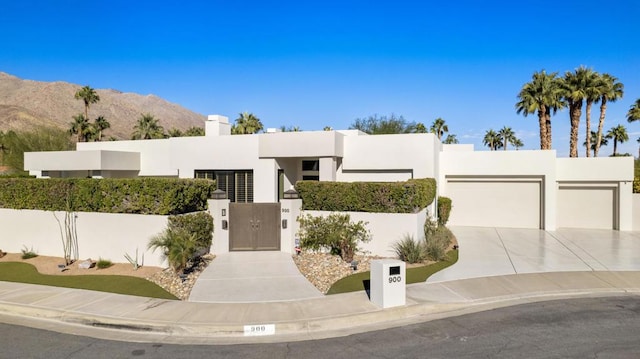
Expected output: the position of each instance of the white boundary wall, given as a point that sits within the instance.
(636, 212)
(385, 228)
(104, 235)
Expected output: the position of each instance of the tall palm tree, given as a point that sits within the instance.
(517, 143)
(439, 127)
(247, 123)
(634, 112)
(618, 134)
(593, 91)
(507, 136)
(80, 127)
(611, 90)
(492, 140)
(573, 91)
(88, 96)
(604, 140)
(100, 124)
(542, 96)
(146, 128)
(451, 139)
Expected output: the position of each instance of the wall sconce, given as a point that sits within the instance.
(225, 224)
(224, 212)
(219, 194)
(290, 194)
(284, 224)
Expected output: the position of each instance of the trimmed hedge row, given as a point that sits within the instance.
(161, 196)
(444, 210)
(374, 197)
(636, 185)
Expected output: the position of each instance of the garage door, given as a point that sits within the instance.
(495, 203)
(587, 207)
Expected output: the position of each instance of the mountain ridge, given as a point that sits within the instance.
(27, 104)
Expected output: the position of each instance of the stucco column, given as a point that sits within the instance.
(625, 209)
(328, 169)
(219, 210)
(290, 210)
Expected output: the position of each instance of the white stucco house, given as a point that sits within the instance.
(522, 189)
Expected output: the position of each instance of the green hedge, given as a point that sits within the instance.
(376, 197)
(636, 185)
(198, 223)
(444, 210)
(136, 195)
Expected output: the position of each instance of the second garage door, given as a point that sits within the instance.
(587, 207)
(514, 203)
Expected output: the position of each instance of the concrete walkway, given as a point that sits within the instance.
(242, 277)
(503, 251)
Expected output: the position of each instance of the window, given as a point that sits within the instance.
(311, 165)
(237, 184)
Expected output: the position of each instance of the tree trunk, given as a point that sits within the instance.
(542, 111)
(505, 144)
(615, 146)
(575, 111)
(603, 111)
(588, 125)
(547, 117)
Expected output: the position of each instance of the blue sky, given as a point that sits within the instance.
(316, 64)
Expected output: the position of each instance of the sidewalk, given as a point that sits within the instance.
(129, 318)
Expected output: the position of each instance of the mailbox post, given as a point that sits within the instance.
(388, 283)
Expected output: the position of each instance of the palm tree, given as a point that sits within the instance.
(541, 95)
(3, 148)
(194, 131)
(439, 127)
(593, 91)
(178, 247)
(574, 92)
(327, 128)
(147, 128)
(517, 143)
(507, 136)
(618, 134)
(450, 140)
(594, 141)
(492, 140)
(246, 123)
(611, 90)
(89, 96)
(100, 124)
(634, 112)
(175, 132)
(420, 128)
(80, 127)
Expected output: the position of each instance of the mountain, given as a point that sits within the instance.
(26, 104)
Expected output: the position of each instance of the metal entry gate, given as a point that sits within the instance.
(254, 226)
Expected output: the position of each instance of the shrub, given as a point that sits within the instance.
(103, 263)
(161, 196)
(444, 209)
(200, 224)
(178, 247)
(437, 242)
(28, 253)
(409, 250)
(636, 185)
(375, 197)
(335, 232)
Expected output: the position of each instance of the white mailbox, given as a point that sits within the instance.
(388, 283)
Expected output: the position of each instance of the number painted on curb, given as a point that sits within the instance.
(259, 329)
(395, 279)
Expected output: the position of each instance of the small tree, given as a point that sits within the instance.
(335, 232)
(178, 247)
(444, 209)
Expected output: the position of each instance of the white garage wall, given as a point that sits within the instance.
(104, 235)
(386, 228)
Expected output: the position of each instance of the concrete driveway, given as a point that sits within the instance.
(500, 251)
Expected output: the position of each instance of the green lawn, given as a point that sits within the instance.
(27, 273)
(357, 281)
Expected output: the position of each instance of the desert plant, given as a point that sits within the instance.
(178, 247)
(436, 244)
(134, 262)
(409, 250)
(444, 209)
(198, 223)
(28, 253)
(103, 263)
(335, 232)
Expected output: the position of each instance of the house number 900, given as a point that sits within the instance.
(395, 279)
(285, 210)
